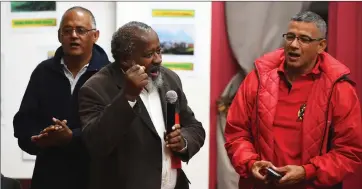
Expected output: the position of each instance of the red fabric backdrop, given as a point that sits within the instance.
(345, 43)
(223, 67)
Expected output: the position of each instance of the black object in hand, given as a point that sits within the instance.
(273, 175)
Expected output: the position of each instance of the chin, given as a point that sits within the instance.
(74, 53)
(155, 82)
(294, 65)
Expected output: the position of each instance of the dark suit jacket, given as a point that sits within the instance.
(124, 145)
(9, 183)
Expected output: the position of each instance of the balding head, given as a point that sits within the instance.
(83, 10)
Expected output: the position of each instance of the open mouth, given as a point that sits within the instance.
(154, 71)
(294, 54)
(74, 45)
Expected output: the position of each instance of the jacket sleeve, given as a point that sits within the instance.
(191, 129)
(103, 123)
(25, 121)
(346, 144)
(238, 135)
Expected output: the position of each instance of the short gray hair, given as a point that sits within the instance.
(312, 17)
(94, 26)
(123, 40)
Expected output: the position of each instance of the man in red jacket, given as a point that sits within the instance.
(296, 113)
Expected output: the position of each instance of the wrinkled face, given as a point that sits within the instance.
(303, 43)
(76, 33)
(147, 53)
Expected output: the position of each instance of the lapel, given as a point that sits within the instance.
(142, 112)
(140, 108)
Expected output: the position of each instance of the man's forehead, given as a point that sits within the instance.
(307, 28)
(144, 36)
(77, 16)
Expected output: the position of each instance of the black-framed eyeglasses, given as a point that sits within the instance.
(80, 31)
(290, 37)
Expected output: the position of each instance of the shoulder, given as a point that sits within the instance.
(171, 77)
(251, 82)
(100, 78)
(344, 95)
(41, 68)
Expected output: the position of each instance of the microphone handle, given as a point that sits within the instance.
(172, 117)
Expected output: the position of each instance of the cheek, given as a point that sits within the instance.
(146, 62)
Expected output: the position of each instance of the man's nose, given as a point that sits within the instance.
(295, 43)
(74, 34)
(157, 59)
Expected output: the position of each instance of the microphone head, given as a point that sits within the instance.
(171, 97)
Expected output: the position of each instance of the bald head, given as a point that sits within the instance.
(79, 9)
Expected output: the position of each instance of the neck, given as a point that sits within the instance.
(293, 73)
(76, 63)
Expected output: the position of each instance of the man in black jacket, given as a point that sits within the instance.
(47, 124)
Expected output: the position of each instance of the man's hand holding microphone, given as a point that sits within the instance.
(136, 80)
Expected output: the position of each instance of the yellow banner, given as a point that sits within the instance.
(34, 22)
(188, 66)
(172, 13)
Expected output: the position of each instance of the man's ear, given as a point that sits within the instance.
(322, 46)
(95, 36)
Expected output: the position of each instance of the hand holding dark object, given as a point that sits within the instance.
(258, 170)
(58, 134)
(136, 80)
(272, 175)
(292, 174)
(174, 139)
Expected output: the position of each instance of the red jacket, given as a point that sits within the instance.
(250, 119)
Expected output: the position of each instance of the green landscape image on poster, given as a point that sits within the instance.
(32, 6)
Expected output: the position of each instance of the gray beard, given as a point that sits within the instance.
(154, 83)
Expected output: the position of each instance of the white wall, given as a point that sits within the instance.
(23, 50)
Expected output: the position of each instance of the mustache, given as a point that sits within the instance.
(153, 68)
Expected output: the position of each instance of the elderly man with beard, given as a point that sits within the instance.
(123, 115)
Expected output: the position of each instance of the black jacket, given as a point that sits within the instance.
(9, 183)
(48, 95)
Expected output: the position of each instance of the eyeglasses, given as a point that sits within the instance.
(80, 31)
(290, 37)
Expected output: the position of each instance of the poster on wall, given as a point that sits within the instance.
(173, 13)
(32, 6)
(177, 40)
(177, 43)
(27, 16)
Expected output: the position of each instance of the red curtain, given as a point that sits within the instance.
(223, 67)
(345, 44)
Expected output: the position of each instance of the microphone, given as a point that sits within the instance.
(172, 112)
(172, 119)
